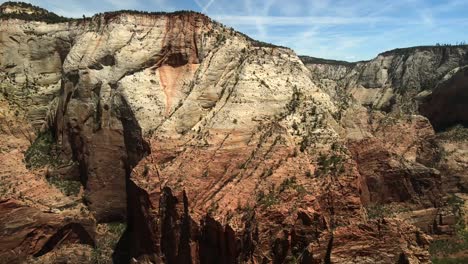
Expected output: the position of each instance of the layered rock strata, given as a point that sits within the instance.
(216, 148)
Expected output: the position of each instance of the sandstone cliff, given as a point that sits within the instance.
(214, 148)
(430, 81)
(395, 80)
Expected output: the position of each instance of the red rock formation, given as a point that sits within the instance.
(101, 139)
(28, 231)
(217, 150)
(392, 161)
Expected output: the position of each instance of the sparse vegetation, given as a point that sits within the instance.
(139, 12)
(291, 183)
(448, 246)
(343, 103)
(257, 43)
(313, 60)
(441, 250)
(267, 199)
(107, 238)
(423, 48)
(455, 203)
(67, 187)
(378, 211)
(146, 170)
(271, 197)
(456, 133)
(462, 260)
(41, 152)
(220, 39)
(332, 164)
(213, 208)
(43, 15)
(39, 14)
(294, 103)
(247, 209)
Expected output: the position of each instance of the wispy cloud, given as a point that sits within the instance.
(204, 7)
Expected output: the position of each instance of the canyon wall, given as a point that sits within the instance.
(394, 81)
(214, 148)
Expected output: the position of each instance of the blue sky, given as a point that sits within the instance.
(342, 29)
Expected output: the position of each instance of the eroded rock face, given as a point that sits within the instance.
(393, 80)
(95, 122)
(215, 149)
(447, 104)
(36, 216)
(358, 244)
(396, 158)
(401, 153)
(28, 231)
(180, 239)
(183, 240)
(31, 65)
(454, 161)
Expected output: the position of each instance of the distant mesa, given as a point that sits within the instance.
(28, 12)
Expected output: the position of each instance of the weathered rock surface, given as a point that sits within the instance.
(36, 217)
(454, 159)
(395, 156)
(393, 80)
(217, 149)
(28, 231)
(31, 65)
(410, 172)
(447, 103)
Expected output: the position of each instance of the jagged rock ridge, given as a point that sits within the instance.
(394, 81)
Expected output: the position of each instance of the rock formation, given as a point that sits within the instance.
(398, 149)
(445, 105)
(214, 148)
(395, 80)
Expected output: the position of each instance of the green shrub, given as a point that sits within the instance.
(313, 60)
(40, 153)
(446, 247)
(39, 14)
(454, 245)
(107, 241)
(291, 183)
(267, 200)
(378, 211)
(455, 133)
(330, 165)
(257, 43)
(67, 187)
(402, 51)
(116, 228)
(455, 203)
